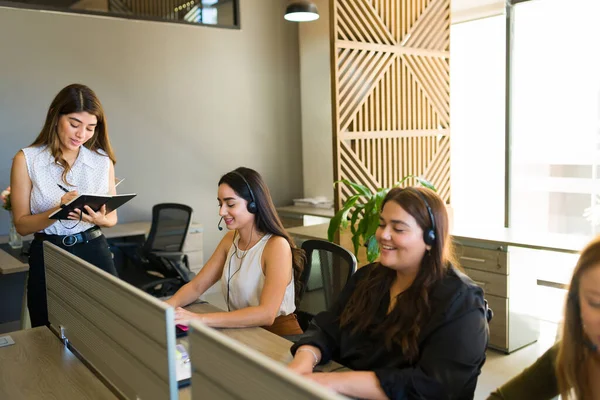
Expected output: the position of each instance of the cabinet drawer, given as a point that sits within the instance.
(499, 323)
(496, 284)
(482, 259)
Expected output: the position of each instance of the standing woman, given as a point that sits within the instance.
(411, 326)
(256, 261)
(71, 155)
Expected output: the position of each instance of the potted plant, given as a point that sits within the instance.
(363, 208)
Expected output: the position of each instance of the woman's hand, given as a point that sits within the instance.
(331, 380)
(67, 197)
(183, 317)
(302, 365)
(92, 217)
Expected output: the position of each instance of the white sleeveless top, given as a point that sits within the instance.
(89, 174)
(246, 279)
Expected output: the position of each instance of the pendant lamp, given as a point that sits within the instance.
(301, 11)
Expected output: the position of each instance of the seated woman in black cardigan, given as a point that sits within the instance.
(411, 326)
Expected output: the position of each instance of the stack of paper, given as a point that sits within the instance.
(320, 202)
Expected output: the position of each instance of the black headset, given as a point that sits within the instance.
(252, 208)
(428, 234)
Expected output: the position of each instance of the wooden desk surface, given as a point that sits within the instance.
(310, 232)
(271, 345)
(39, 366)
(304, 210)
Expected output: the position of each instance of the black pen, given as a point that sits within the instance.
(63, 188)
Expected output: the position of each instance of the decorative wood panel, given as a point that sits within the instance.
(391, 92)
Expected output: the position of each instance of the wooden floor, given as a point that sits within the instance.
(498, 368)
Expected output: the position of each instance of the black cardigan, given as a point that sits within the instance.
(452, 342)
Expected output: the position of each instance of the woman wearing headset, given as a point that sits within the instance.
(411, 326)
(257, 262)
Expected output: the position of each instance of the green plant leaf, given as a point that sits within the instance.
(334, 224)
(347, 207)
(341, 217)
(426, 183)
(360, 189)
(356, 242)
(355, 215)
(372, 249)
(421, 181)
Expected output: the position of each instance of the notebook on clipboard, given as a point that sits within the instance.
(94, 201)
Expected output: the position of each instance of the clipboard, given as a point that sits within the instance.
(94, 201)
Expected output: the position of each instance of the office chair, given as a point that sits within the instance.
(326, 270)
(159, 267)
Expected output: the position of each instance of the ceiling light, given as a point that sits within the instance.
(301, 11)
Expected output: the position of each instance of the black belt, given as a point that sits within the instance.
(70, 240)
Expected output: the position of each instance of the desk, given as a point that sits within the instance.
(39, 366)
(14, 266)
(295, 215)
(271, 345)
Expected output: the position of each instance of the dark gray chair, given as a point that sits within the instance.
(159, 267)
(326, 270)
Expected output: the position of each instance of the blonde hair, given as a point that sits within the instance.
(573, 353)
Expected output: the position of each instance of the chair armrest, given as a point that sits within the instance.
(171, 255)
(175, 259)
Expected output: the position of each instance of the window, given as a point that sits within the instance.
(477, 108)
(555, 130)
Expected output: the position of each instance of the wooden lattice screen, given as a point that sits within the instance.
(391, 92)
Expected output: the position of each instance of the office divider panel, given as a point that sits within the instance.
(225, 369)
(126, 335)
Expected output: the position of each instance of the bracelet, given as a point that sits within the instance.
(310, 351)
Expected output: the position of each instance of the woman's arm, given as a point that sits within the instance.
(323, 334)
(358, 384)
(20, 185)
(277, 261)
(208, 276)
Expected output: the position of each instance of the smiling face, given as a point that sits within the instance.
(75, 129)
(589, 300)
(233, 208)
(400, 239)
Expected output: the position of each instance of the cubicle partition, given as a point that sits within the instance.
(124, 334)
(225, 369)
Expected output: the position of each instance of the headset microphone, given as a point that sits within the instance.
(219, 224)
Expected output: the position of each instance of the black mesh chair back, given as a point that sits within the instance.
(170, 225)
(326, 271)
(159, 266)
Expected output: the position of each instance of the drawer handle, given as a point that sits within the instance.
(479, 260)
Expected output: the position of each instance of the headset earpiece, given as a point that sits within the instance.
(428, 234)
(252, 207)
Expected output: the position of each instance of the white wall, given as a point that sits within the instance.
(184, 104)
(315, 88)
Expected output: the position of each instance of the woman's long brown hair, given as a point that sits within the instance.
(266, 218)
(73, 99)
(573, 353)
(402, 325)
